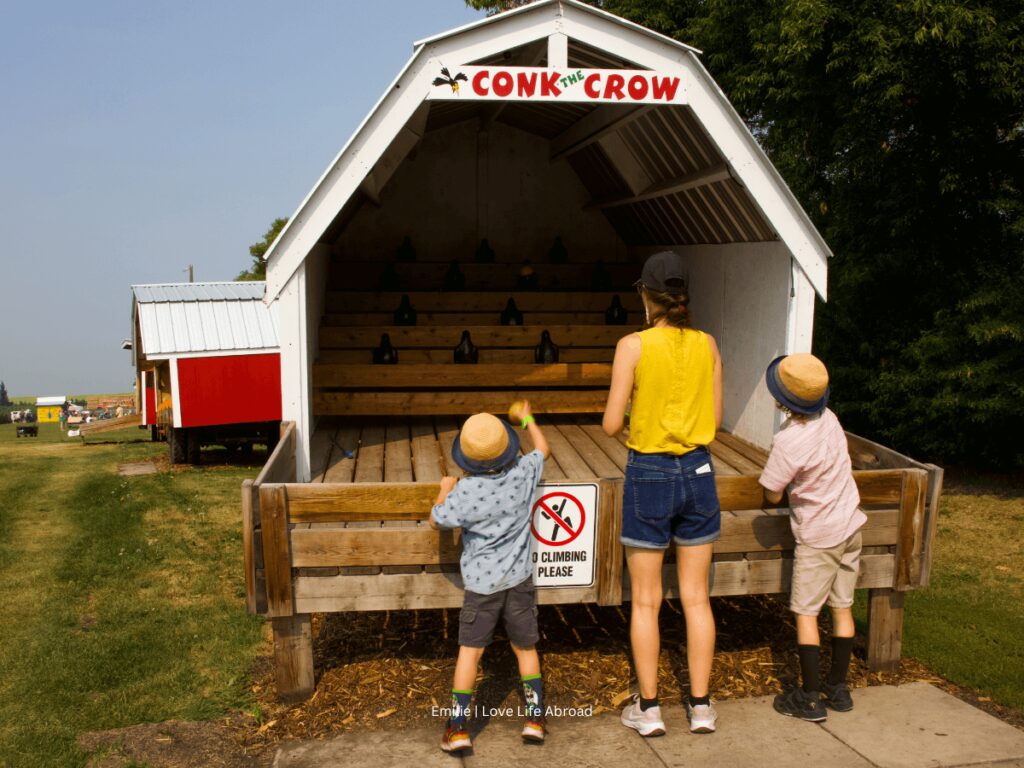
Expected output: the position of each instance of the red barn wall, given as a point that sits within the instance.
(231, 389)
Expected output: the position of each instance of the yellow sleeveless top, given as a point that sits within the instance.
(673, 392)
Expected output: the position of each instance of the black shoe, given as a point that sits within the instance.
(837, 697)
(799, 703)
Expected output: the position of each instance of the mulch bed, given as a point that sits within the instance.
(389, 669)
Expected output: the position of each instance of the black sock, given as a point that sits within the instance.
(646, 704)
(696, 701)
(809, 655)
(842, 649)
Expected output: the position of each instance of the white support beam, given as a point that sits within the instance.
(624, 161)
(558, 51)
(670, 187)
(598, 124)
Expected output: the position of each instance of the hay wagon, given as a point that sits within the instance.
(575, 145)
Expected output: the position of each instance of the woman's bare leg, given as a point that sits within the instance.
(646, 596)
(693, 566)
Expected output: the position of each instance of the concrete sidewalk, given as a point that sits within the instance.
(910, 726)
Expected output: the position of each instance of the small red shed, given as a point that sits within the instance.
(208, 363)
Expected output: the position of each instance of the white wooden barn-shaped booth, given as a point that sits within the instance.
(536, 157)
(570, 122)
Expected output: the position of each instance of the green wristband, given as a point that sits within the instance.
(528, 420)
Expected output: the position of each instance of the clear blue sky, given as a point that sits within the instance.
(139, 137)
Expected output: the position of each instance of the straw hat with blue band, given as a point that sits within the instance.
(485, 444)
(799, 382)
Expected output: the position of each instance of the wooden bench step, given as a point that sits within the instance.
(455, 403)
(483, 336)
(449, 375)
(481, 301)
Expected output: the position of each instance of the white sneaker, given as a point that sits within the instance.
(702, 718)
(647, 723)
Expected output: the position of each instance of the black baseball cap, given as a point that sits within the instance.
(664, 272)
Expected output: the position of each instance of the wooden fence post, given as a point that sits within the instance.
(293, 657)
(609, 549)
(885, 629)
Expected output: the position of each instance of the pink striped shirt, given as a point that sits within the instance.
(810, 458)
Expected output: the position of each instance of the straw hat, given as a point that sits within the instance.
(799, 382)
(485, 444)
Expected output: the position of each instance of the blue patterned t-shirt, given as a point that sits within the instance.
(493, 512)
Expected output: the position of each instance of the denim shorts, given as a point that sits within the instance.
(668, 497)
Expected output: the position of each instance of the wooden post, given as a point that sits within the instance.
(885, 629)
(911, 541)
(277, 565)
(293, 658)
(609, 549)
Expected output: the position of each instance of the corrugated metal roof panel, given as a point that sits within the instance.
(188, 318)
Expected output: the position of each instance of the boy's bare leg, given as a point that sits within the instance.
(646, 596)
(842, 622)
(529, 661)
(466, 668)
(692, 567)
(807, 629)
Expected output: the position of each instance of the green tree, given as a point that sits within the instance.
(4, 399)
(900, 127)
(258, 251)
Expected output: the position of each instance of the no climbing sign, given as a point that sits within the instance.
(563, 524)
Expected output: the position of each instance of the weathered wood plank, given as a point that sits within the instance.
(255, 595)
(404, 592)
(756, 577)
(355, 275)
(386, 546)
(447, 429)
(397, 452)
(733, 458)
(342, 465)
(449, 375)
(323, 503)
(483, 336)
(454, 403)
(280, 467)
(320, 448)
(935, 480)
(276, 552)
(293, 657)
(522, 355)
(340, 318)
(597, 460)
(885, 628)
(910, 544)
(568, 458)
(370, 460)
(612, 448)
(720, 463)
(477, 301)
(426, 457)
(755, 454)
(608, 549)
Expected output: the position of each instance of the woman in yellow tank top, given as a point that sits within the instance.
(673, 374)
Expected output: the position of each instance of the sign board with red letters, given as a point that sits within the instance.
(612, 86)
(563, 523)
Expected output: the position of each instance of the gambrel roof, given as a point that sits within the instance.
(679, 174)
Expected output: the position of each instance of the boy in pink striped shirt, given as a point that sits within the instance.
(810, 460)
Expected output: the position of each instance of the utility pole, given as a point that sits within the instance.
(189, 270)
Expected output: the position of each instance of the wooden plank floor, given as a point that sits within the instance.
(418, 449)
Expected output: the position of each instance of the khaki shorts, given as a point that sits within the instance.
(825, 574)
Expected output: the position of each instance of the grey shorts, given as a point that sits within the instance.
(517, 608)
(825, 574)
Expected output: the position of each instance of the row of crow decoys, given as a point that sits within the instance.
(466, 352)
(454, 279)
(615, 314)
(557, 253)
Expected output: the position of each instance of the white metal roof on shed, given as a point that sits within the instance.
(191, 318)
(54, 400)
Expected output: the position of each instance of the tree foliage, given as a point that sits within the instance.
(258, 251)
(4, 398)
(900, 127)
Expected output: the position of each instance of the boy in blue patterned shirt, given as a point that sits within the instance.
(491, 505)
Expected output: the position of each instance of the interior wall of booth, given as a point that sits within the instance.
(460, 185)
(740, 293)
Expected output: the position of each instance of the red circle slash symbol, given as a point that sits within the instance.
(560, 513)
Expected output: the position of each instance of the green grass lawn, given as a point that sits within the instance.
(122, 596)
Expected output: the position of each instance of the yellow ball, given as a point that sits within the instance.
(515, 412)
